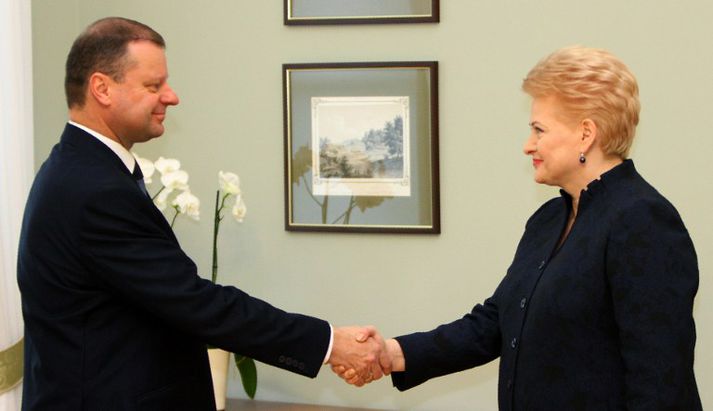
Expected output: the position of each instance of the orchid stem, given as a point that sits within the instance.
(157, 193)
(173, 220)
(216, 226)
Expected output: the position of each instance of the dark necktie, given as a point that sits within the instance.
(139, 177)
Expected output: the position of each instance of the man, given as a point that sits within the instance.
(116, 316)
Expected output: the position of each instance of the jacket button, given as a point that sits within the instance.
(281, 359)
(509, 383)
(513, 343)
(523, 302)
(542, 265)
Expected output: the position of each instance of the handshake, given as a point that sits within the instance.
(360, 355)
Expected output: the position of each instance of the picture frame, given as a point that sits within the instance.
(320, 12)
(361, 147)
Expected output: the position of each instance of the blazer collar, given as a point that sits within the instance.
(88, 145)
(125, 155)
(91, 146)
(613, 179)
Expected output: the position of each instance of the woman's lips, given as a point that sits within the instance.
(536, 162)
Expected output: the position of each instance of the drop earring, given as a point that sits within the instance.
(582, 159)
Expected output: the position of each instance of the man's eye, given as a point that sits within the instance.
(152, 88)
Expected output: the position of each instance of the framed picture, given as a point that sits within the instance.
(308, 12)
(361, 147)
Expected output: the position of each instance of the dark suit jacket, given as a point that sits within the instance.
(116, 317)
(603, 323)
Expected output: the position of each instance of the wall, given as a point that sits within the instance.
(225, 61)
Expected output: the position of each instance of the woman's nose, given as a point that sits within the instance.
(530, 146)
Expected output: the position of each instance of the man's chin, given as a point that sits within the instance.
(156, 131)
(148, 137)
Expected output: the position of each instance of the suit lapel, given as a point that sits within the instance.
(89, 146)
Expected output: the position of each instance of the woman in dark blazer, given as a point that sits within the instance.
(595, 312)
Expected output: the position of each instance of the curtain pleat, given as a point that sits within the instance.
(16, 171)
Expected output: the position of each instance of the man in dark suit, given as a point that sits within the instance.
(116, 317)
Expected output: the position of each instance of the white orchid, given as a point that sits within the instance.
(175, 180)
(172, 179)
(188, 204)
(161, 199)
(167, 165)
(229, 182)
(147, 168)
(239, 209)
(229, 186)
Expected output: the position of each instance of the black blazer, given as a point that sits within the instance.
(603, 323)
(116, 317)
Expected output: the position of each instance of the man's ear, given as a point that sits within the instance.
(588, 128)
(98, 87)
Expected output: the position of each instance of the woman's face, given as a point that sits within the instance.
(554, 144)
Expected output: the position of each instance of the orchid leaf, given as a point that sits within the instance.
(248, 374)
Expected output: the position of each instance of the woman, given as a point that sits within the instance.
(595, 312)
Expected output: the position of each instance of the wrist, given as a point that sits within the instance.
(398, 362)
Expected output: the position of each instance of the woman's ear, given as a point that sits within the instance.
(588, 128)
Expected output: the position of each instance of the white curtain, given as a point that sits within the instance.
(16, 170)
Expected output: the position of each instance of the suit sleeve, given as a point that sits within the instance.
(653, 275)
(473, 340)
(465, 343)
(136, 259)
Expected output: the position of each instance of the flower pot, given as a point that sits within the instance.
(219, 360)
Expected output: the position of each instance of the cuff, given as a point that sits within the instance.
(329, 348)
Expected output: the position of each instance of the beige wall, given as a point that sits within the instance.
(225, 61)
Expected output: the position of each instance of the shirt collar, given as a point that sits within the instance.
(124, 155)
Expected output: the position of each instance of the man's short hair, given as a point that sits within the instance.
(102, 47)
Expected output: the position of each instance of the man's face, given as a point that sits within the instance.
(139, 102)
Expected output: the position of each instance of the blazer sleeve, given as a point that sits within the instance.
(465, 343)
(653, 275)
(127, 246)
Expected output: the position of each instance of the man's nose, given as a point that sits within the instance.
(169, 97)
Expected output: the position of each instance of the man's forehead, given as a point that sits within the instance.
(145, 54)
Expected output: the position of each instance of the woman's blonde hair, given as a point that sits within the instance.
(591, 83)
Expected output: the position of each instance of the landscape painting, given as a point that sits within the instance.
(360, 146)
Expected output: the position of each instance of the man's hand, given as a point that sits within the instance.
(360, 350)
(391, 359)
